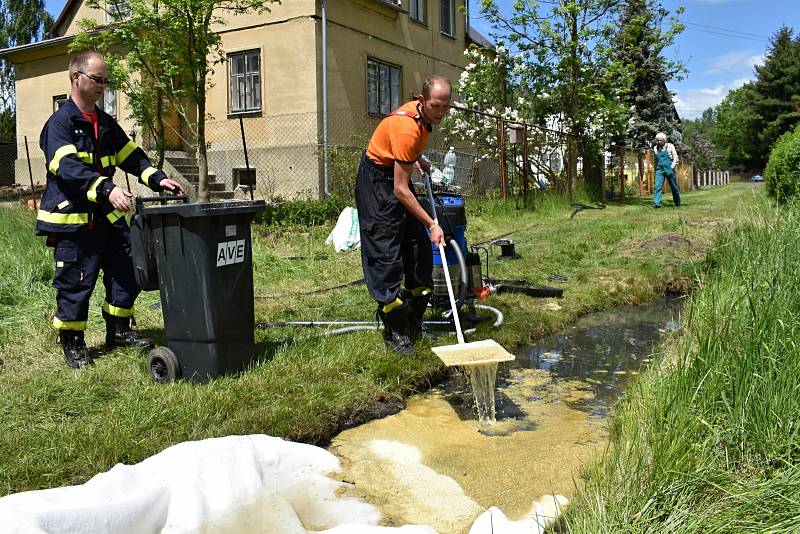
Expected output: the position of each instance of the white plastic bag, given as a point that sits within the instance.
(345, 235)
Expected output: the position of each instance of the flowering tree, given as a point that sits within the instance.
(495, 85)
(554, 69)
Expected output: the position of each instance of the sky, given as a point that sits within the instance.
(722, 42)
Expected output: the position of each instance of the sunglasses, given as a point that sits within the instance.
(96, 79)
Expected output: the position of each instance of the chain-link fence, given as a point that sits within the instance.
(274, 157)
(14, 191)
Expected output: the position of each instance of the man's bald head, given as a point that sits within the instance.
(435, 81)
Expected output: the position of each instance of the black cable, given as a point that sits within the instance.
(504, 235)
(579, 207)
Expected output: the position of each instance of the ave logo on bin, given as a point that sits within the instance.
(230, 252)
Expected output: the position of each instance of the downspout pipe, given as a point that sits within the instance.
(325, 182)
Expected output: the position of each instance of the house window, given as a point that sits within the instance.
(383, 87)
(108, 102)
(416, 10)
(117, 10)
(448, 18)
(59, 101)
(245, 81)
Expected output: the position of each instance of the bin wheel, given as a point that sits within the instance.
(163, 365)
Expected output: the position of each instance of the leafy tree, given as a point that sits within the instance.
(171, 48)
(735, 133)
(22, 22)
(777, 92)
(560, 66)
(698, 137)
(641, 39)
(497, 84)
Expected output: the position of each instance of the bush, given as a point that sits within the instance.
(782, 174)
(303, 212)
(343, 161)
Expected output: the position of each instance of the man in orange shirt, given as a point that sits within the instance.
(394, 242)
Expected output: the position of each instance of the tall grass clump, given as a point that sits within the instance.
(710, 439)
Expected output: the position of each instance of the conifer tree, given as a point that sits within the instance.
(641, 39)
(776, 100)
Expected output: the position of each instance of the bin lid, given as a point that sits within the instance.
(207, 209)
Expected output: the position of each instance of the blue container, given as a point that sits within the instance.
(452, 219)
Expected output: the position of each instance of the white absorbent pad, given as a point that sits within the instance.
(233, 484)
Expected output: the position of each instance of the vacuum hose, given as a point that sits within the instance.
(356, 326)
(498, 320)
(462, 264)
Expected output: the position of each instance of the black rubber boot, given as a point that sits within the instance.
(74, 348)
(416, 311)
(119, 334)
(395, 324)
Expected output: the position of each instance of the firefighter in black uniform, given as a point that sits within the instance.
(395, 246)
(82, 211)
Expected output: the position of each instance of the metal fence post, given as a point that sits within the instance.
(622, 173)
(525, 165)
(640, 168)
(501, 148)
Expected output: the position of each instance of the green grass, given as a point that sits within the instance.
(709, 441)
(61, 426)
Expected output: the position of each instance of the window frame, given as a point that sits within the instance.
(451, 16)
(422, 13)
(101, 102)
(246, 52)
(123, 10)
(393, 103)
(58, 101)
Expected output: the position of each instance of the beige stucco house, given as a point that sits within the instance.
(378, 53)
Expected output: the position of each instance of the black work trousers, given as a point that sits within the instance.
(394, 243)
(79, 258)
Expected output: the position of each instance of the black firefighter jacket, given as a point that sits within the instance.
(77, 191)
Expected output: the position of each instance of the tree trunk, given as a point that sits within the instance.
(574, 103)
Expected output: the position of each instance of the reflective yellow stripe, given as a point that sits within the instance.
(63, 218)
(421, 290)
(392, 305)
(94, 188)
(108, 161)
(117, 312)
(69, 325)
(86, 157)
(148, 172)
(126, 151)
(60, 153)
(114, 216)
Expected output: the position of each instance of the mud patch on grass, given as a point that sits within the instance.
(677, 285)
(665, 241)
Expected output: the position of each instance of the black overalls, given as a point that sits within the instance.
(394, 243)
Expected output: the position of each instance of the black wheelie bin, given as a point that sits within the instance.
(205, 277)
